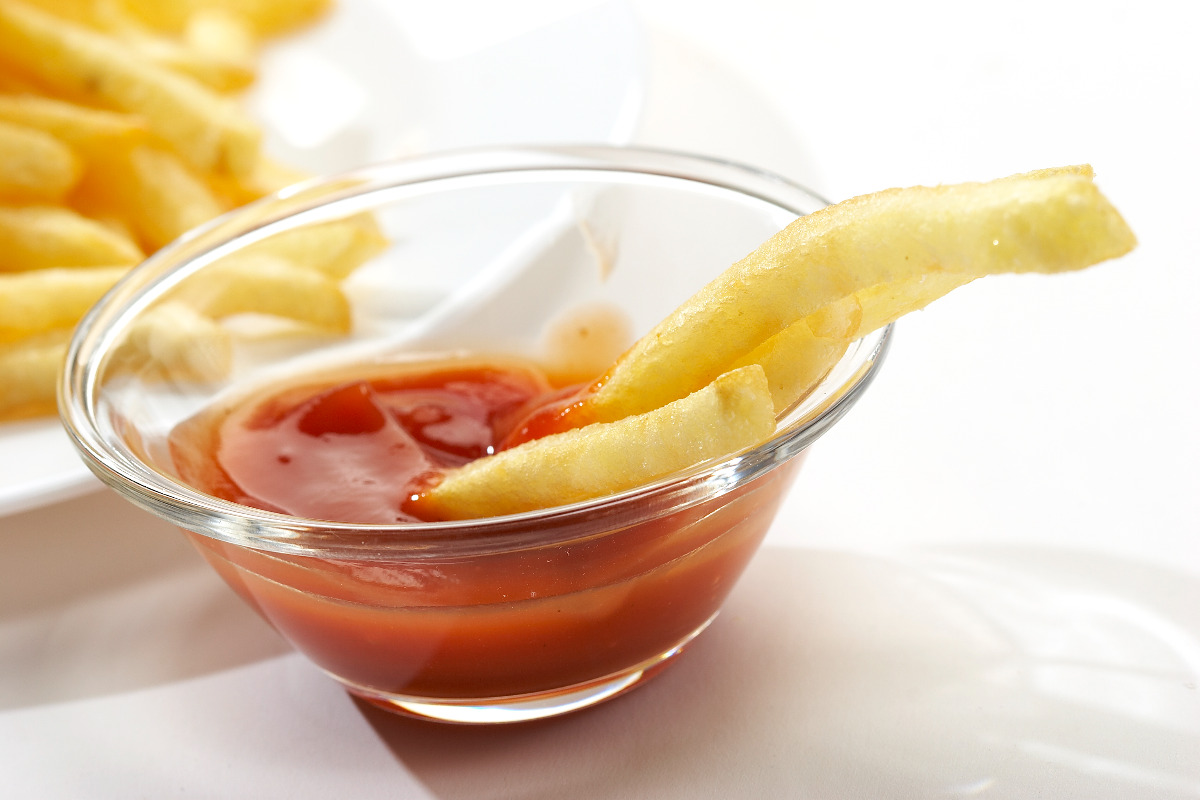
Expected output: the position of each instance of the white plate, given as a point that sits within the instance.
(355, 90)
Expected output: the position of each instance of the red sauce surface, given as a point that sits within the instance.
(357, 450)
(455, 627)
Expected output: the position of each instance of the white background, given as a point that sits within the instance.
(986, 583)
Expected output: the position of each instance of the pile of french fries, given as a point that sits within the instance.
(712, 379)
(120, 129)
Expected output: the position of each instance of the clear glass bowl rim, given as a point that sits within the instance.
(116, 465)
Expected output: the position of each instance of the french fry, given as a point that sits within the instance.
(797, 358)
(733, 412)
(117, 226)
(82, 64)
(1080, 170)
(30, 369)
(249, 283)
(786, 314)
(215, 73)
(34, 166)
(334, 249)
(220, 33)
(90, 13)
(12, 83)
(37, 237)
(218, 69)
(265, 17)
(152, 191)
(114, 141)
(1051, 221)
(268, 177)
(883, 304)
(169, 342)
(222, 37)
(45, 299)
(173, 342)
(216, 51)
(92, 132)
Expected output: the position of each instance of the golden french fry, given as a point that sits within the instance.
(152, 191)
(12, 83)
(1043, 222)
(220, 71)
(883, 303)
(222, 37)
(220, 33)
(90, 131)
(175, 342)
(205, 128)
(797, 358)
(733, 412)
(172, 198)
(45, 299)
(216, 74)
(268, 177)
(114, 224)
(30, 369)
(113, 138)
(249, 283)
(271, 176)
(34, 166)
(1081, 170)
(265, 17)
(334, 249)
(36, 237)
(90, 13)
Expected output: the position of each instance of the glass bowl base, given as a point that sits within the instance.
(525, 707)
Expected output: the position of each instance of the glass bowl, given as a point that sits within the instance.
(492, 252)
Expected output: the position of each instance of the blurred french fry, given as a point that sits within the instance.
(268, 177)
(172, 198)
(1050, 221)
(264, 17)
(174, 342)
(220, 33)
(733, 412)
(117, 226)
(215, 73)
(37, 237)
(90, 13)
(12, 83)
(90, 131)
(30, 369)
(216, 64)
(218, 69)
(34, 166)
(45, 299)
(115, 139)
(152, 191)
(271, 176)
(85, 65)
(249, 283)
(334, 249)
(223, 37)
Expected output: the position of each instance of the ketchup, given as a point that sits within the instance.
(517, 622)
(358, 450)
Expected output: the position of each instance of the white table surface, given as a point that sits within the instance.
(986, 583)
